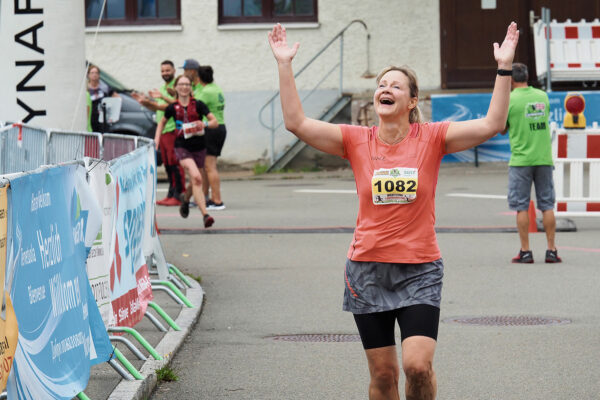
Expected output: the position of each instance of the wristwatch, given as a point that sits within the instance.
(504, 72)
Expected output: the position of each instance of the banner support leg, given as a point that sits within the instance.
(174, 270)
(137, 337)
(82, 396)
(136, 352)
(169, 292)
(120, 370)
(175, 290)
(164, 315)
(155, 321)
(134, 372)
(176, 281)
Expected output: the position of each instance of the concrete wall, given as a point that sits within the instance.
(402, 32)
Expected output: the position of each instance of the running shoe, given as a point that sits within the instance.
(208, 221)
(163, 201)
(552, 257)
(211, 205)
(524, 257)
(172, 202)
(184, 207)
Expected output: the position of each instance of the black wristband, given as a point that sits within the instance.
(505, 72)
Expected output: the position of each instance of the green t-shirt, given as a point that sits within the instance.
(170, 125)
(89, 111)
(197, 89)
(212, 96)
(529, 130)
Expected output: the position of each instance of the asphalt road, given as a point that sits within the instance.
(273, 264)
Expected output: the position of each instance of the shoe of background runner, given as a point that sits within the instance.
(524, 257)
(163, 201)
(552, 257)
(208, 221)
(184, 207)
(171, 201)
(211, 205)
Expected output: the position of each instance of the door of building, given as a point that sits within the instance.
(469, 27)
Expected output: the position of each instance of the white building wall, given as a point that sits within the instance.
(402, 32)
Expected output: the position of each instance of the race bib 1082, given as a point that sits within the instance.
(394, 185)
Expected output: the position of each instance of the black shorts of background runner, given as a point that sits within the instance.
(215, 139)
(377, 329)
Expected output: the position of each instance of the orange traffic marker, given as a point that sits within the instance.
(532, 221)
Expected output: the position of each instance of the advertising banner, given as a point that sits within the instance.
(43, 63)
(152, 247)
(150, 201)
(101, 255)
(462, 107)
(8, 319)
(129, 280)
(54, 219)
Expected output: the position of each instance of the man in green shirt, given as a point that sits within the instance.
(159, 99)
(530, 161)
(213, 97)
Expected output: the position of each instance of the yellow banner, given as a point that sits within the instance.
(8, 320)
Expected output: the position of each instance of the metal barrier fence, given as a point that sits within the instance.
(143, 141)
(65, 146)
(115, 145)
(25, 148)
(22, 148)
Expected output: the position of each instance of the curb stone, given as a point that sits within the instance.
(167, 347)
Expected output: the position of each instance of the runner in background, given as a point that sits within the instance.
(190, 147)
(394, 267)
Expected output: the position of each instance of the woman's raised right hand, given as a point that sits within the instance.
(278, 41)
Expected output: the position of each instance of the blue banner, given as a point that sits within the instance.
(54, 219)
(129, 280)
(462, 107)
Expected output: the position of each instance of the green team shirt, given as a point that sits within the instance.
(212, 96)
(170, 125)
(529, 130)
(197, 89)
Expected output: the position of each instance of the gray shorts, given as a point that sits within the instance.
(374, 287)
(519, 187)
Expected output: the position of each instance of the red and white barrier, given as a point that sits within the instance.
(578, 151)
(574, 50)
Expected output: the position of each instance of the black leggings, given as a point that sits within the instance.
(377, 329)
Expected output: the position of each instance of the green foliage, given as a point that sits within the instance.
(260, 169)
(166, 374)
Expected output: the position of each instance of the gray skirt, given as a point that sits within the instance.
(374, 287)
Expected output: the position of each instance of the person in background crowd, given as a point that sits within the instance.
(530, 161)
(157, 101)
(190, 69)
(190, 147)
(97, 90)
(212, 96)
(88, 100)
